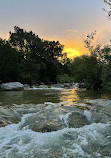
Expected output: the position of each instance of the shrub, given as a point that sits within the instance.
(64, 78)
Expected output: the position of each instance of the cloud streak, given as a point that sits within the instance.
(73, 31)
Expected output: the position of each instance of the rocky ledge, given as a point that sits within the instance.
(50, 117)
(17, 86)
(45, 117)
(11, 86)
(63, 86)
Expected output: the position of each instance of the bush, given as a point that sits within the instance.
(25, 78)
(64, 78)
(86, 69)
(106, 78)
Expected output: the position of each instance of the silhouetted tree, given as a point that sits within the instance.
(40, 58)
(108, 2)
(87, 70)
(9, 62)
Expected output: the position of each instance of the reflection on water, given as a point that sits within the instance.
(41, 96)
(69, 96)
(90, 94)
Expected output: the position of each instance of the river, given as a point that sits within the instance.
(55, 123)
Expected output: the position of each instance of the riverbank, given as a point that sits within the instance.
(17, 86)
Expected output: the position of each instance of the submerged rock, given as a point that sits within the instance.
(77, 120)
(100, 110)
(12, 86)
(3, 123)
(50, 117)
(45, 120)
(8, 116)
(45, 117)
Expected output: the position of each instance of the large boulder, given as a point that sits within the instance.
(12, 86)
(45, 120)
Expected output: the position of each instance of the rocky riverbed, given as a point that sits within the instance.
(17, 86)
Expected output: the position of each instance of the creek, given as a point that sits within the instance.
(55, 123)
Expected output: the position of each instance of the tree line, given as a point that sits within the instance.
(27, 58)
(94, 70)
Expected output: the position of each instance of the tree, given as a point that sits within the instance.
(86, 69)
(41, 58)
(9, 62)
(103, 57)
(108, 2)
(106, 70)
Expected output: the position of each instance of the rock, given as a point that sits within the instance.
(61, 86)
(53, 118)
(81, 85)
(3, 124)
(26, 86)
(69, 85)
(37, 84)
(66, 85)
(43, 86)
(12, 86)
(46, 120)
(42, 83)
(77, 120)
(100, 110)
(58, 85)
(49, 127)
(8, 116)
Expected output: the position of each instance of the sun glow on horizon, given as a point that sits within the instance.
(72, 53)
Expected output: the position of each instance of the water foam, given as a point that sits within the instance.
(51, 88)
(16, 142)
(90, 141)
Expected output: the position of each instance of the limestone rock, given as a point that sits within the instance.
(12, 86)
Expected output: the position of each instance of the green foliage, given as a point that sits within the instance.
(25, 78)
(64, 78)
(29, 59)
(39, 49)
(103, 58)
(39, 59)
(106, 78)
(106, 73)
(86, 69)
(9, 66)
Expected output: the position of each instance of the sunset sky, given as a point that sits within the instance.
(68, 21)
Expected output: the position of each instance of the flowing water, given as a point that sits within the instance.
(55, 123)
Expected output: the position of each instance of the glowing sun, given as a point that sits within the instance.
(71, 52)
